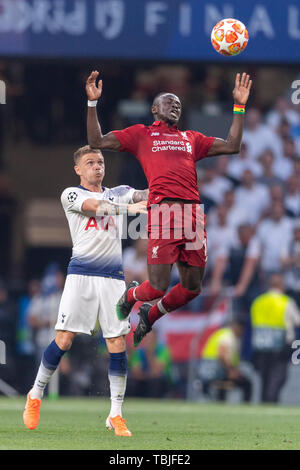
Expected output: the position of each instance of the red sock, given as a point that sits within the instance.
(143, 292)
(177, 297)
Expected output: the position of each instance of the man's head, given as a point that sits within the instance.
(276, 282)
(277, 211)
(245, 233)
(89, 165)
(248, 179)
(166, 107)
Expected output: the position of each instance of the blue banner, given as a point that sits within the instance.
(147, 29)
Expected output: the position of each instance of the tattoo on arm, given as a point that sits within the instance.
(141, 195)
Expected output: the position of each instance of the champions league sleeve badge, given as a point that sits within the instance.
(72, 196)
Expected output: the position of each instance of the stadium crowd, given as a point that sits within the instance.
(251, 200)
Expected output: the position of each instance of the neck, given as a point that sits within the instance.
(95, 188)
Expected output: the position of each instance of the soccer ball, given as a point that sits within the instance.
(229, 37)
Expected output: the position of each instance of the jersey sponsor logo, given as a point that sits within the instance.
(72, 196)
(171, 145)
(154, 252)
(103, 222)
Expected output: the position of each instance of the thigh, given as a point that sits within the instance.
(109, 291)
(79, 305)
(190, 276)
(159, 276)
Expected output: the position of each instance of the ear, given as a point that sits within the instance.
(77, 170)
(154, 109)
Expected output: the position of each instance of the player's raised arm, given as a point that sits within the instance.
(95, 137)
(233, 142)
(96, 207)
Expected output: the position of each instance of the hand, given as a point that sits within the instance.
(138, 208)
(93, 92)
(242, 89)
(238, 291)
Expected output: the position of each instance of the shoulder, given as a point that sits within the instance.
(70, 193)
(121, 190)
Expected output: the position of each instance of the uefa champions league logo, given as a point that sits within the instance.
(2, 353)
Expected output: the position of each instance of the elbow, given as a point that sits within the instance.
(233, 149)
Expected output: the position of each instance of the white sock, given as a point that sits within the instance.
(42, 379)
(117, 392)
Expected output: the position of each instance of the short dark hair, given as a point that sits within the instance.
(84, 151)
(158, 96)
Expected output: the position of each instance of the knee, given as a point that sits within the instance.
(116, 345)
(64, 340)
(159, 283)
(193, 285)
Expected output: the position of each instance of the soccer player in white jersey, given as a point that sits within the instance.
(95, 280)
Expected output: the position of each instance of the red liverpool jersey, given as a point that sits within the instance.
(168, 157)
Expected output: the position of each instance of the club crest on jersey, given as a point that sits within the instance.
(72, 196)
(154, 252)
(184, 136)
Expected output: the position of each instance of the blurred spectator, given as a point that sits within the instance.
(236, 215)
(282, 111)
(219, 366)
(135, 261)
(8, 322)
(283, 167)
(268, 177)
(239, 263)
(292, 196)
(25, 346)
(149, 369)
(274, 317)
(290, 259)
(273, 234)
(259, 137)
(43, 308)
(214, 185)
(241, 162)
(252, 197)
(219, 235)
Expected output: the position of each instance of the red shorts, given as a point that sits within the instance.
(176, 232)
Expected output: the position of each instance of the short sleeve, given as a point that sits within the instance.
(129, 138)
(254, 248)
(202, 145)
(72, 199)
(124, 194)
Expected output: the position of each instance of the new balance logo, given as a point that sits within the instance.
(154, 252)
(154, 134)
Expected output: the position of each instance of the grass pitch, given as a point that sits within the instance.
(156, 425)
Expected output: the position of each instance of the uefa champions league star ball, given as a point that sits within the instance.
(229, 37)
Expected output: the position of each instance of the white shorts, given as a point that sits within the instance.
(88, 301)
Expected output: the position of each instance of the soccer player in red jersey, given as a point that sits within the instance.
(168, 157)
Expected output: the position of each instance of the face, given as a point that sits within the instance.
(167, 108)
(91, 168)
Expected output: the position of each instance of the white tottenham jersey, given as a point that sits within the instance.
(97, 246)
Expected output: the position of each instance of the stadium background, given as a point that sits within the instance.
(47, 50)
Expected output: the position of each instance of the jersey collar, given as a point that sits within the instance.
(82, 187)
(163, 124)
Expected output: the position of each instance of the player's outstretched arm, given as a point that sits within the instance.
(95, 137)
(140, 195)
(96, 207)
(233, 142)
